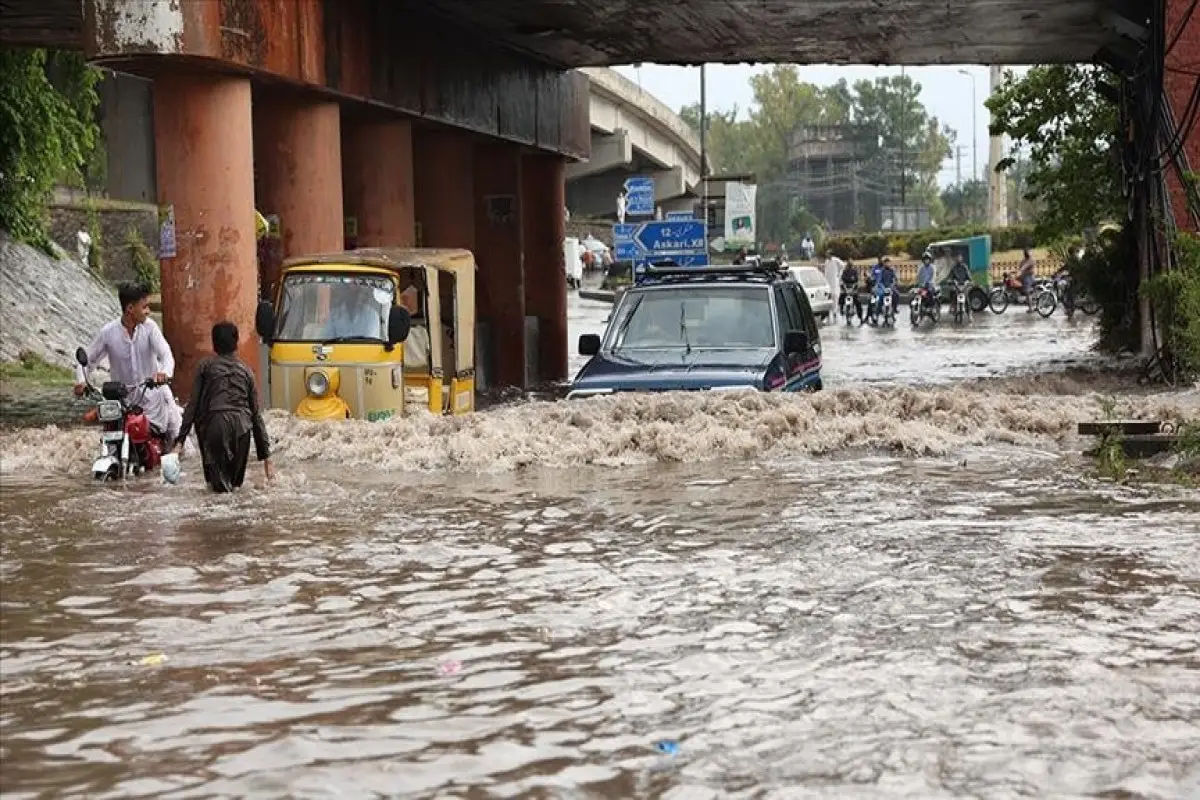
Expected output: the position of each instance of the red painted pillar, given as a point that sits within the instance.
(543, 199)
(501, 279)
(443, 188)
(298, 161)
(377, 173)
(1182, 63)
(205, 166)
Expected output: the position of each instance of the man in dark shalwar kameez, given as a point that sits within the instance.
(224, 409)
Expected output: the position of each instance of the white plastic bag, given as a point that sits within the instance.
(170, 468)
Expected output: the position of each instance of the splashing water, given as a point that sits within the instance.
(670, 427)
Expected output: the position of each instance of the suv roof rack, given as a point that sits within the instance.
(763, 272)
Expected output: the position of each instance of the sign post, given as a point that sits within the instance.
(680, 241)
(639, 196)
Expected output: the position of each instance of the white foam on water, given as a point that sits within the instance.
(1039, 412)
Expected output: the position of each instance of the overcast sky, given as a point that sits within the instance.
(945, 91)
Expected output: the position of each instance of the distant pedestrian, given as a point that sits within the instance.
(224, 409)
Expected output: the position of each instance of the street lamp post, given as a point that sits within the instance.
(974, 132)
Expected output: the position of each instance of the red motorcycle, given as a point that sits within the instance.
(129, 444)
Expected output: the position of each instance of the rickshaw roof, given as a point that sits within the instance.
(453, 260)
(951, 242)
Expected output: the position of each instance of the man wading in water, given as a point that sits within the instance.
(224, 408)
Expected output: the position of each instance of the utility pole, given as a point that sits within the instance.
(903, 134)
(997, 182)
(958, 158)
(704, 151)
(974, 134)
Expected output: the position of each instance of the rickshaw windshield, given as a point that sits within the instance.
(319, 307)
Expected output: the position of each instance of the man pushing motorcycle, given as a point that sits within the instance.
(137, 351)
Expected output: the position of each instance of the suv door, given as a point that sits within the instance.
(802, 318)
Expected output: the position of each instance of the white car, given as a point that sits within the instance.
(817, 289)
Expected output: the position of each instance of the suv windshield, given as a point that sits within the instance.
(319, 307)
(694, 316)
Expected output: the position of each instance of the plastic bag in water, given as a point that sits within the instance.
(170, 468)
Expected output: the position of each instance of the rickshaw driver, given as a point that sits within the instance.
(416, 346)
(355, 314)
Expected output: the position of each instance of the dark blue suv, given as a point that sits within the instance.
(705, 328)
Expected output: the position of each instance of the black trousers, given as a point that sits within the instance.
(225, 452)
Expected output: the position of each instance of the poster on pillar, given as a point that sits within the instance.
(740, 225)
(166, 232)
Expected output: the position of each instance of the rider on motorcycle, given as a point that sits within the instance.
(1028, 270)
(849, 282)
(137, 351)
(925, 276)
(960, 275)
(884, 280)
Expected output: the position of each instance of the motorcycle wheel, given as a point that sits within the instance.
(977, 299)
(914, 313)
(998, 301)
(1046, 303)
(1089, 307)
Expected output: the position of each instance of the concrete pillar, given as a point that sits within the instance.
(377, 173)
(444, 188)
(498, 250)
(298, 160)
(1179, 81)
(544, 227)
(205, 170)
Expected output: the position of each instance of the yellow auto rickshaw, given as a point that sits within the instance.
(367, 333)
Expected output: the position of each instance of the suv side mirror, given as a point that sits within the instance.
(264, 320)
(589, 344)
(81, 356)
(795, 342)
(399, 324)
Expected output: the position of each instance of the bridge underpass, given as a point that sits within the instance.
(633, 133)
(480, 99)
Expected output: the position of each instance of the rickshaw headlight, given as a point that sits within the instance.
(317, 384)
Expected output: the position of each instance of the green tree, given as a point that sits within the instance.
(911, 143)
(783, 103)
(46, 134)
(727, 139)
(965, 203)
(1070, 129)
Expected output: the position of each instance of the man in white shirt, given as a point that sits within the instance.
(833, 274)
(136, 350)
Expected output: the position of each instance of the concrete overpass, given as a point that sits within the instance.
(633, 133)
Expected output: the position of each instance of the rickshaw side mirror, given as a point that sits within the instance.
(81, 356)
(399, 324)
(264, 320)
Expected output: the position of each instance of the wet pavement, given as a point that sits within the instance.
(889, 591)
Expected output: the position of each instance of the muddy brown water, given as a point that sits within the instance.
(889, 591)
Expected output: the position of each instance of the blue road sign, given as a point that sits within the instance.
(681, 241)
(639, 196)
(676, 216)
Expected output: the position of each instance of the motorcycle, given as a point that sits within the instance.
(1045, 300)
(925, 303)
(886, 309)
(129, 444)
(959, 299)
(849, 293)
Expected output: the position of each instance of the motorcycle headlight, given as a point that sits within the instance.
(317, 384)
(109, 410)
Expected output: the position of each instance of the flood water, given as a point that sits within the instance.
(909, 585)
